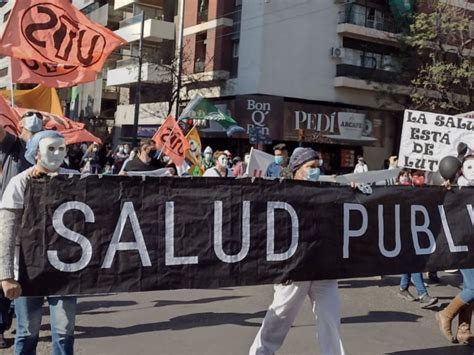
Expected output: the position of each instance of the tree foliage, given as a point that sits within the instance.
(440, 41)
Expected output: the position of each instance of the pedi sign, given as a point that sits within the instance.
(333, 125)
(260, 116)
(54, 28)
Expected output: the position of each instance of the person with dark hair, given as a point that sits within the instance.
(280, 152)
(145, 160)
(221, 169)
(289, 296)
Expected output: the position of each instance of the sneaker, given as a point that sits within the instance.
(406, 295)
(3, 342)
(426, 300)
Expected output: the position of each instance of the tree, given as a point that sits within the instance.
(439, 38)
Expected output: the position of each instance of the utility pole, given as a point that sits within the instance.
(139, 83)
(180, 58)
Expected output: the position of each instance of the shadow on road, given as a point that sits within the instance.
(164, 303)
(451, 350)
(88, 306)
(382, 317)
(189, 321)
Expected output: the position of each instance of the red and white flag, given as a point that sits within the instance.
(49, 75)
(55, 32)
(171, 141)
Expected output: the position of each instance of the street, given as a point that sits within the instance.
(224, 321)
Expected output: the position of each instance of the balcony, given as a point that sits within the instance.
(128, 4)
(155, 30)
(126, 74)
(105, 15)
(368, 24)
(368, 74)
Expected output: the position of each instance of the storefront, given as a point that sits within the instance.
(340, 133)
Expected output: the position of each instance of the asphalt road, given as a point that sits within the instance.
(224, 322)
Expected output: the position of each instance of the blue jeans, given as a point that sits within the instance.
(63, 316)
(467, 293)
(417, 281)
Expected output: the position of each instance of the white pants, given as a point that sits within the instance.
(287, 301)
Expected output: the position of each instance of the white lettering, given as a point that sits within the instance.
(218, 249)
(415, 229)
(398, 241)
(170, 259)
(128, 211)
(348, 233)
(452, 248)
(60, 228)
(271, 207)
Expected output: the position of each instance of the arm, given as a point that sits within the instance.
(10, 220)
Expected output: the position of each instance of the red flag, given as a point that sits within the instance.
(9, 119)
(73, 132)
(73, 136)
(54, 31)
(50, 75)
(171, 141)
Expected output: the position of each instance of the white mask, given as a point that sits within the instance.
(247, 159)
(468, 169)
(52, 153)
(223, 160)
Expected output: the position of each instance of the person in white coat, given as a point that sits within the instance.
(289, 296)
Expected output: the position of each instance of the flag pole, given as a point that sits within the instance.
(139, 84)
(12, 86)
(180, 58)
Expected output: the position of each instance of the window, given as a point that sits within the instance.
(200, 52)
(235, 49)
(203, 9)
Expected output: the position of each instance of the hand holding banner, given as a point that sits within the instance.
(171, 141)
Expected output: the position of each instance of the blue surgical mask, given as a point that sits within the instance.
(278, 159)
(313, 174)
(33, 123)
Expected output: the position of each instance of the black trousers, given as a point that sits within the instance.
(5, 313)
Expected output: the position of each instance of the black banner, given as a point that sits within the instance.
(122, 234)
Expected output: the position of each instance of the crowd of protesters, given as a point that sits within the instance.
(36, 152)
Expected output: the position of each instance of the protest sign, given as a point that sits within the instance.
(258, 163)
(429, 137)
(170, 140)
(123, 234)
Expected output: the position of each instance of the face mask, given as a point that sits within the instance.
(278, 159)
(247, 159)
(126, 150)
(404, 180)
(468, 169)
(321, 162)
(313, 174)
(33, 123)
(207, 157)
(223, 161)
(120, 149)
(166, 159)
(95, 149)
(52, 153)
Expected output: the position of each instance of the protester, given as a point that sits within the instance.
(119, 157)
(404, 178)
(289, 296)
(418, 178)
(47, 151)
(207, 161)
(91, 160)
(280, 153)
(13, 150)
(146, 158)
(423, 297)
(221, 169)
(74, 157)
(133, 154)
(361, 166)
(463, 304)
(240, 166)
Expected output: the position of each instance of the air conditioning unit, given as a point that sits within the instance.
(337, 52)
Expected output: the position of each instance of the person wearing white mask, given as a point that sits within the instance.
(221, 169)
(361, 166)
(207, 161)
(289, 296)
(47, 150)
(13, 150)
